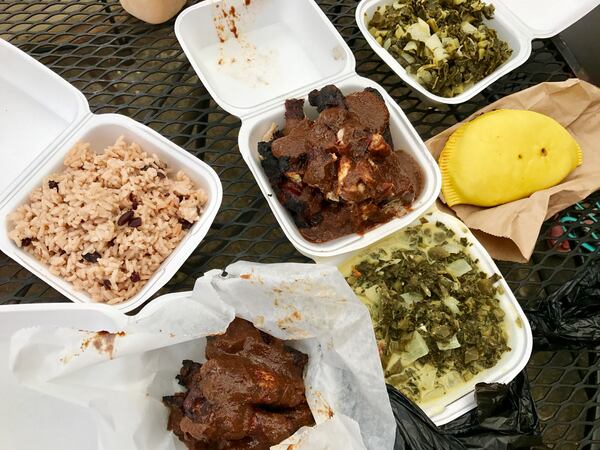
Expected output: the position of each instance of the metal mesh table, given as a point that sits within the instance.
(125, 66)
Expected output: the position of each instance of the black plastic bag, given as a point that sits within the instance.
(570, 317)
(414, 430)
(505, 418)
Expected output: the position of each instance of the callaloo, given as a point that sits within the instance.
(436, 314)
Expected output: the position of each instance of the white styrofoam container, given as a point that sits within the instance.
(41, 117)
(53, 424)
(520, 339)
(287, 48)
(517, 22)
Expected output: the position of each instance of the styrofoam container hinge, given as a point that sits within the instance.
(299, 93)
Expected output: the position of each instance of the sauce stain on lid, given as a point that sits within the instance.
(104, 342)
(238, 57)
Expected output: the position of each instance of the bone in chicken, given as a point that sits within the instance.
(249, 394)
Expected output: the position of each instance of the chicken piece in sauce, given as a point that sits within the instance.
(249, 394)
(339, 174)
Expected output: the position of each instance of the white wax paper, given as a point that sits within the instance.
(122, 377)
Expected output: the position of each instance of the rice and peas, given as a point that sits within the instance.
(108, 220)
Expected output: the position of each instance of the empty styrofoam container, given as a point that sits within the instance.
(252, 57)
(41, 117)
(517, 22)
(461, 399)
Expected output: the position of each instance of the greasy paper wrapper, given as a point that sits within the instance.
(123, 377)
(510, 231)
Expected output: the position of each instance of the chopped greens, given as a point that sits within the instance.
(444, 44)
(436, 315)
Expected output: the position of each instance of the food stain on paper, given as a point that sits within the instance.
(102, 341)
(289, 325)
(322, 407)
(252, 278)
(289, 320)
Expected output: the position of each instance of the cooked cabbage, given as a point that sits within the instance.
(458, 268)
(415, 349)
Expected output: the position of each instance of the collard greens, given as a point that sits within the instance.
(444, 44)
(436, 315)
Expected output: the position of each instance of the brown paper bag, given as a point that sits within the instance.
(510, 231)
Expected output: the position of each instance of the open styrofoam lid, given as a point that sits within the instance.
(37, 108)
(546, 18)
(249, 54)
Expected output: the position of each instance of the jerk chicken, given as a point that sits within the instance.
(339, 174)
(249, 394)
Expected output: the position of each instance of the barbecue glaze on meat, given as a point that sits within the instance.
(249, 394)
(339, 174)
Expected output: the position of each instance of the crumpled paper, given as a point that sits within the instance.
(123, 375)
(510, 231)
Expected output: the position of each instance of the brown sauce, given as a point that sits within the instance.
(339, 174)
(249, 394)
